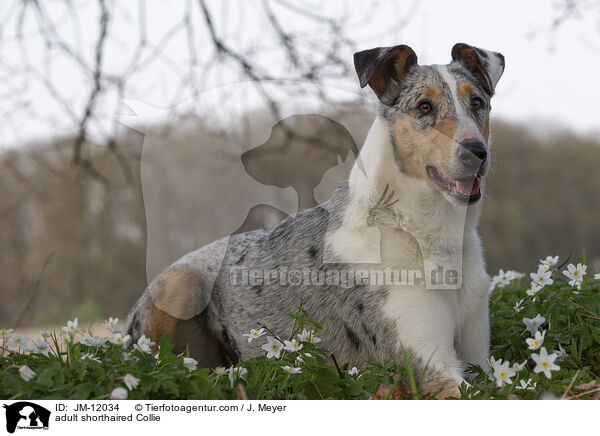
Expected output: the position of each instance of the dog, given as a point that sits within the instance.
(411, 203)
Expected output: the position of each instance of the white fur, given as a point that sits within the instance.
(446, 327)
(495, 66)
(467, 128)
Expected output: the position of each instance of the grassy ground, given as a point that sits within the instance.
(559, 321)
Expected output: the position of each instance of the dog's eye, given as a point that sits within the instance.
(425, 107)
(476, 103)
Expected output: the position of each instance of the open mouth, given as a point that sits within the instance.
(467, 189)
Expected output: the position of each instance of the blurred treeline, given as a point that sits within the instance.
(73, 244)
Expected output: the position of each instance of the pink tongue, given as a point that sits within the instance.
(470, 186)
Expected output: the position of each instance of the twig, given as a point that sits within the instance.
(586, 393)
(240, 392)
(248, 68)
(318, 391)
(564, 263)
(269, 331)
(91, 103)
(20, 394)
(568, 388)
(337, 366)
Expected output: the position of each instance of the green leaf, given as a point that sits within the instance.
(165, 348)
(82, 391)
(45, 377)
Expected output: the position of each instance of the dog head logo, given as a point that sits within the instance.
(26, 415)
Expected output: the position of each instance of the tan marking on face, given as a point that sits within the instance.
(447, 127)
(484, 127)
(464, 90)
(485, 130)
(417, 149)
(407, 145)
(434, 93)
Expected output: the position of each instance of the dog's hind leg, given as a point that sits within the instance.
(209, 347)
(175, 304)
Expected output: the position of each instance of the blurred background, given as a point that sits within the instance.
(130, 131)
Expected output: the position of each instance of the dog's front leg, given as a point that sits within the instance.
(426, 326)
(474, 345)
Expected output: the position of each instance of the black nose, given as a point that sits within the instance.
(472, 153)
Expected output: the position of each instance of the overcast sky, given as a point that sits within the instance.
(550, 76)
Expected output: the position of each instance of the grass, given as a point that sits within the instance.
(571, 324)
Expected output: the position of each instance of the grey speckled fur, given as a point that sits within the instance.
(354, 328)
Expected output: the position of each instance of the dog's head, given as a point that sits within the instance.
(438, 114)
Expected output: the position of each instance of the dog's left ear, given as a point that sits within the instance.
(383, 69)
(486, 66)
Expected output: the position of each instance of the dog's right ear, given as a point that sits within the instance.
(383, 69)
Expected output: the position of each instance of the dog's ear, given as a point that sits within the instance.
(486, 66)
(383, 69)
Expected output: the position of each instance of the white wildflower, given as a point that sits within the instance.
(533, 289)
(119, 339)
(354, 371)
(576, 274)
(144, 344)
(293, 345)
(299, 359)
(519, 366)
(118, 394)
(533, 324)
(235, 373)
(542, 277)
(549, 263)
(545, 362)
(6, 334)
(273, 347)
(307, 336)
(502, 373)
(190, 363)
(526, 385)
(499, 280)
(513, 275)
(70, 328)
(291, 369)
(111, 324)
(41, 346)
(92, 341)
(537, 341)
(20, 341)
(131, 381)
(560, 354)
(493, 362)
(26, 373)
(254, 334)
(518, 306)
(220, 370)
(90, 356)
